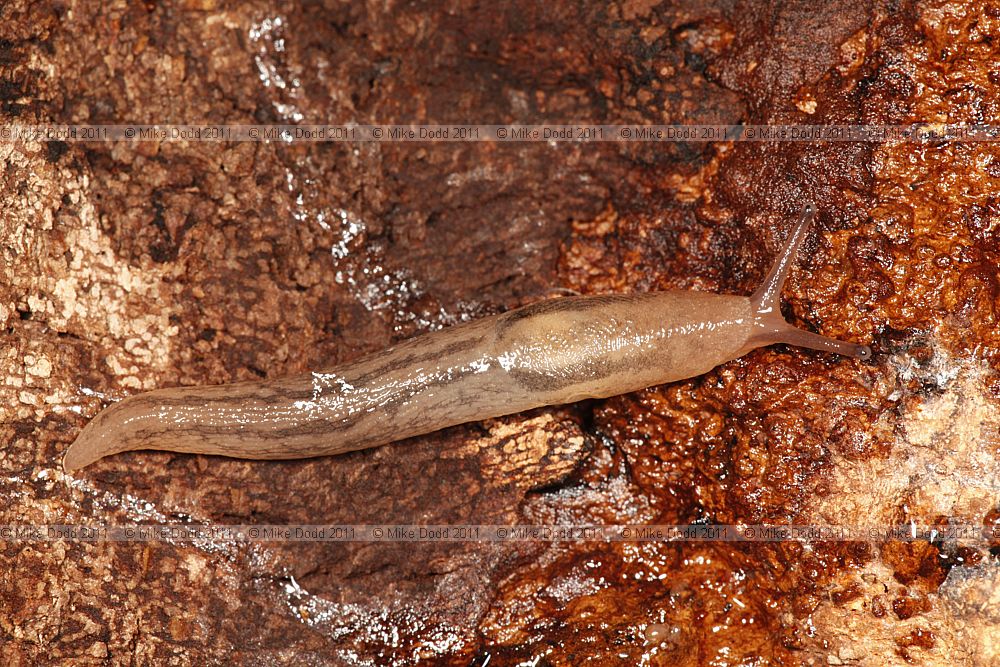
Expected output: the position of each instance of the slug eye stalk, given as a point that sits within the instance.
(769, 327)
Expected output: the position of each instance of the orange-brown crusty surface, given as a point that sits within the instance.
(129, 266)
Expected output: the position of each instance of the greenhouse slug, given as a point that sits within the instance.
(551, 352)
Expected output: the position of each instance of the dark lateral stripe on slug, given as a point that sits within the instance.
(409, 354)
(209, 440)
(268, 394)
(385, 411)
(580, 374)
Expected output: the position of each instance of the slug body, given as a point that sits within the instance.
(551, 352)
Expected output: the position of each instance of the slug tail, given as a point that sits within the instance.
(76, 458)
(106, 434)
(84, 451)
(769, 326)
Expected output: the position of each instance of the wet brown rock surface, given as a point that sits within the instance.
(131, 266)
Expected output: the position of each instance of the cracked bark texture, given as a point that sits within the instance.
(133, 266)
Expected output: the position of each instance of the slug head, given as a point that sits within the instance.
(769, 326)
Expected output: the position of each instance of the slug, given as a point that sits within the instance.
(551, 352)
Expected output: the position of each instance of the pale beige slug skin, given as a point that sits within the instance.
(548, 353)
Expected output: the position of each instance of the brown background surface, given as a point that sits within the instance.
(129, 266)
